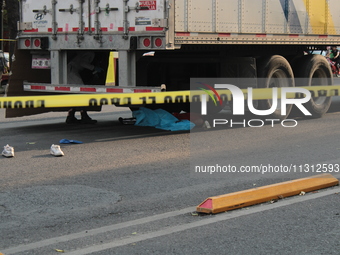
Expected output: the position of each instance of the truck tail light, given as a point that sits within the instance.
(147, 42)
(37, 43)
(158, 42)
(28, 43)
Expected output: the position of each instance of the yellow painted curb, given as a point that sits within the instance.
(259, 195)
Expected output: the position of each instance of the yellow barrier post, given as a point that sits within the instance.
(263, 194)
(111, 69)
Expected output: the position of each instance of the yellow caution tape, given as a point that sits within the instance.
(7, 40)
(169, 97)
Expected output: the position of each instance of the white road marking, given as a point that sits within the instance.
(96, 231)
(201, 223)
(162, 232)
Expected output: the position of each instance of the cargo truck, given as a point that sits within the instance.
(188, 38)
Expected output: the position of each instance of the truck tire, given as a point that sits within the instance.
(314, 70)
(274, 71)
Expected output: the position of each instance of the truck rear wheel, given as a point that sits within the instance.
(274, 71)
(314, 70)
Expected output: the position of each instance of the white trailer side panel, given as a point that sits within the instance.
(188, 22)
(110, 21)
(140, 20)
(308, 22)
(68, 21)
(258, 16)
(200, 16)
(334, 13)
(72, 15)
(181, 24)
(251, 17)
(38, 20)
(275, 19)
(227, 16)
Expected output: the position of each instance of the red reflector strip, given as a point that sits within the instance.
(207, 204)
(323, 36)
(130, 29)
(31, 31)
(182, 34)
(59, 29)
(294, 36)
(141, 90)
(154, 28)
(76, 89)
(88, 89)
(38, 87)
(86, 29)
(114, 90)
(104, 29)
(224, 35)
(75, 29)
(261, 35)
(63, 88)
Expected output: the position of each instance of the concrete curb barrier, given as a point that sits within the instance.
(259, 195)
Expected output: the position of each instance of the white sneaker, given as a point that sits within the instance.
(8, 151)
(56, 151)
(206, 125)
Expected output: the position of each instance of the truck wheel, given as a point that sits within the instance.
(274, 71)
(314, 70)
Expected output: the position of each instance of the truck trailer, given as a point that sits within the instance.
(170, 41)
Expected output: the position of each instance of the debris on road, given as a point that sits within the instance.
(8, 151)
(66, 141)
(56, 151)
(160, 119)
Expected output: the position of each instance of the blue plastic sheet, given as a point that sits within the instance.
(69, 141)
(160, 119)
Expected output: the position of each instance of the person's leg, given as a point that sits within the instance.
(71, 119)
(85, 118)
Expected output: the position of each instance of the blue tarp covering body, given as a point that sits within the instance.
(160, 119)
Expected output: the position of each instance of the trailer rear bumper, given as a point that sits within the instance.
(80, 89)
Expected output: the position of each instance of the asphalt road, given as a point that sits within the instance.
(132, 190)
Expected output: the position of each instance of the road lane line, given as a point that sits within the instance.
(201, 223)
(96, 231)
